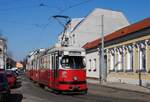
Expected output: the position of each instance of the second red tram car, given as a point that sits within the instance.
(60, 68)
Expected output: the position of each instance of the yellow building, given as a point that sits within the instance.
(19, 65)
(127, 54)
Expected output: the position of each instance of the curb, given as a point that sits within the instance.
(118, 88)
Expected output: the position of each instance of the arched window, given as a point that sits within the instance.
(142, 57)
(120, 59)
(112, 60)
(129, 58)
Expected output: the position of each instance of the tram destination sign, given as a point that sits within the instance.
(75, 53)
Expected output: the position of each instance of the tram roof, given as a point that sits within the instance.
(65, 49)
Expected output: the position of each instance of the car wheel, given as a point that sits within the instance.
(1, 98)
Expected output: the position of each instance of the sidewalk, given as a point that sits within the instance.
(122, 86)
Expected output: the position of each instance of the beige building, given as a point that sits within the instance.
(82, 30)
(127, 55)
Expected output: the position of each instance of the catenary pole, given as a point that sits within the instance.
(102, 62)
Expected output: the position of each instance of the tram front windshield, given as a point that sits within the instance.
(73, 62)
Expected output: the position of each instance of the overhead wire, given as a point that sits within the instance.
(21, 23)
(74, 5)
(26, 7)
(42, 4)
(19, 7)
(42, 31)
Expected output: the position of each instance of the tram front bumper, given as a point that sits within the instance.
(74, 88)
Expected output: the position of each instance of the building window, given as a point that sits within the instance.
(112, 61)
(73, 39)
(142, 59)
(1, 50)
(130, 59)
(123, 62)
(95, 65)
(119, 61)
(90, 64)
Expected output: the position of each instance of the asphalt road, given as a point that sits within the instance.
(31, 92)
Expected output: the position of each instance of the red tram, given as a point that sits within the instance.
(60, 68)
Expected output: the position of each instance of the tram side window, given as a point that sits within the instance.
(45, 62)
(37, 64)
(32, 64)
(57, 62)
(41, 63)
(52, 62)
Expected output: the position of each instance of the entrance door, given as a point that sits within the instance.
(55, 66)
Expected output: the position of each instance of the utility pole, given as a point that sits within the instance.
(102, 62)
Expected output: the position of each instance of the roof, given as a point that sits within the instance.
(71, 48)
(107, 13)
(120, 33)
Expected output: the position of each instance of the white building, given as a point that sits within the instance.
(126, 55)
(89, 28)
(3, 51)
(65, 37)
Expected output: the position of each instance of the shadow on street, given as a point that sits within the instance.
(15, 98)
(18, 85)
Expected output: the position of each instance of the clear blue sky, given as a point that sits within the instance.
(23, 22)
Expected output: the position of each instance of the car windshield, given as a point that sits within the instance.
(2, 78)
(74, 62)
(11, 72)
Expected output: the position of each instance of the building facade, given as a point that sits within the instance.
(65, 38)
(89, 28)
(3, 51)
(127, 55)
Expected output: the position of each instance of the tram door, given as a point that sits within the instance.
(55, 66)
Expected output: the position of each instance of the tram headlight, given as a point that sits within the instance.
(64, 74)
(75, 78)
